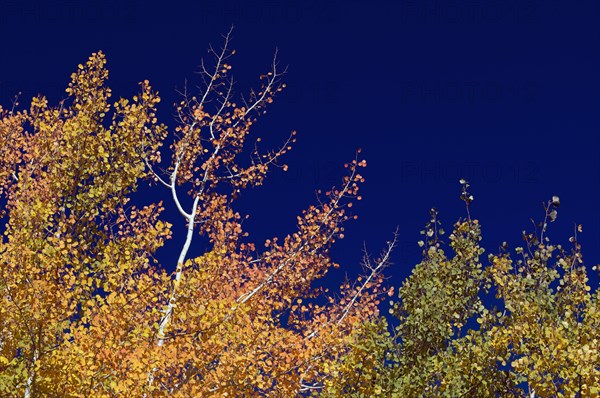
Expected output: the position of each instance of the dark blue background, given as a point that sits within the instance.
(502, 93)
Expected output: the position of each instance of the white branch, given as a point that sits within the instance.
(171, 305)
(383, 263)
(225, 100)
(155, 174)
(220, 58)
(29, 384)
(271, 82)
(190, 233)
(374, 271)
(173, 187)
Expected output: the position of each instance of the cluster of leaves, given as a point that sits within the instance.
(86, 310)
(541, 338)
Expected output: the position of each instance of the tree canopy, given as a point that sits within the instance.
(537, 336)
(87, 310)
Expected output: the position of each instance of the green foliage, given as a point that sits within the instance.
(543, 341)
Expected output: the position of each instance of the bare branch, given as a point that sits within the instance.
(156, 176)
(274, 77)
(220, 57)
(375, 270)
(223, 103)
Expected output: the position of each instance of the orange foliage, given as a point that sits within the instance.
(87, 311)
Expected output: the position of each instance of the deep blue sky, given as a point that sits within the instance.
(505, 94)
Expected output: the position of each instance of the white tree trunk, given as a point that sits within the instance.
(164, 323)
(29, 383)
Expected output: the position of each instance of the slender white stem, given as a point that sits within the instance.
(158, 178)
(173, 187)
(164, 323)
(29, 384)
(169, 311)
(375, 270)
(220, 58)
